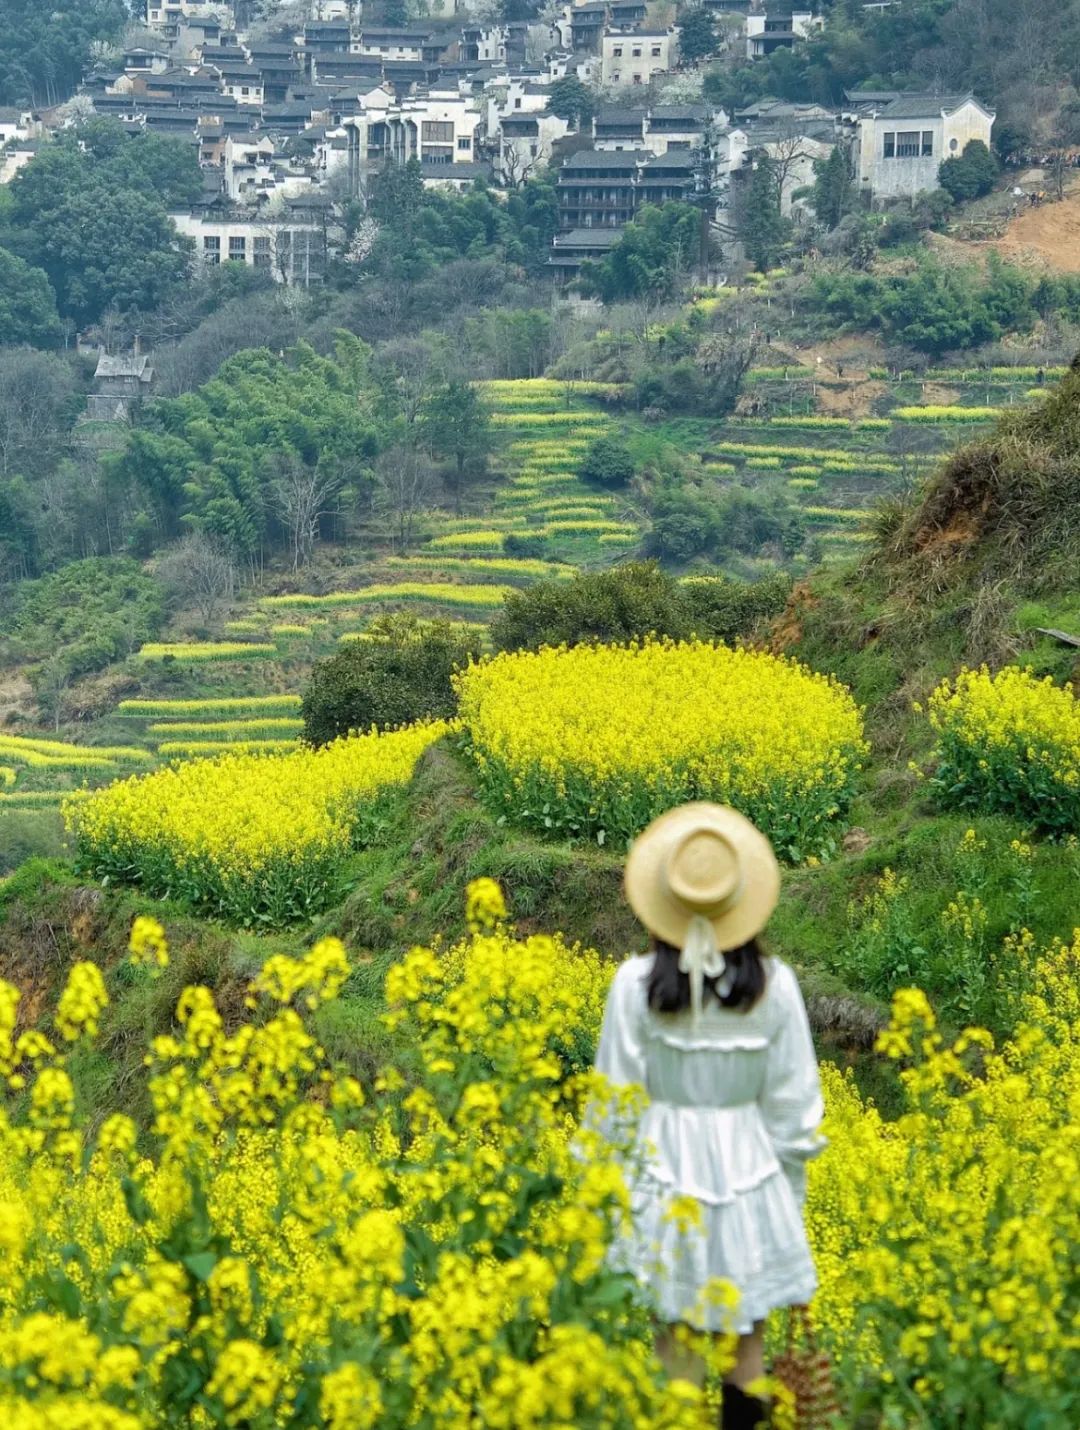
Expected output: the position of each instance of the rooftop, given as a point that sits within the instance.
(924, 106)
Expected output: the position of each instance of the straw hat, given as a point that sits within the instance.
(703, 860)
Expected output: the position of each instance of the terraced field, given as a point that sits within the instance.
(239, 688)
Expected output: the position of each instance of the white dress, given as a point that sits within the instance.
(733, 1115)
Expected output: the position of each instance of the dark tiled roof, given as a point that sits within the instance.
(604, 159)
(692, 113)
(923, 106)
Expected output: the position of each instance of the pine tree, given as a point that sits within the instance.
(764, 229)
(833, 189)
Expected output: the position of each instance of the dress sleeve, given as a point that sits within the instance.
(790, 1099)
(620, 1053)
(620, 1059)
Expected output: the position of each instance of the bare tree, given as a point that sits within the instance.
(518, 162)
(199, 570)
(303, 497)
(407, 486)
(787, 150)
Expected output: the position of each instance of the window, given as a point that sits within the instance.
(464, 143)
(211, 249)
(637, 52)
(637, 79)
(517, 103)
(615, 77)
(261, 254)
(437, 131)
(245, 90)
(656, 52)
(954, 144)
(890, 146)
(238, 248)
(617, 52)
(928, 143)
(907, 144)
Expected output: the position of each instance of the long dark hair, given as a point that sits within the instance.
(669, 990)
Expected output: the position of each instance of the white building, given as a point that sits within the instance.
(287, 242)
(441, 127)
(902, 140)
(778, 27)
(634, 57)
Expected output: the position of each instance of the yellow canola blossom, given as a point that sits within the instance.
(247, 836)
(597, 740)
(288, 1248)
(1009, 743)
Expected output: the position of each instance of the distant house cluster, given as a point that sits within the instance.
(286, 127)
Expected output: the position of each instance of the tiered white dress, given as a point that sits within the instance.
(733, 1115)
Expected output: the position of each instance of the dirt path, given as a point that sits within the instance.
(1049, 234)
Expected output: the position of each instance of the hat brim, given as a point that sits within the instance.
(666, 917)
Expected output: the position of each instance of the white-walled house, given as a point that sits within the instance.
(629, 58)
(287, 242)
(901, 142)
(777, 27)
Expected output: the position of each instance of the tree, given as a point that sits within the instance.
(199, 570)
(607, 463)
(457, 424)
(969, 175)
(763, 228)
(91, 210)
(47, 47)
(405, 489)
(573, 101)
(302, 496)
(38, 405)
(697, 35)
(27, 305)
(834, 190)
(404, 673)
(653, 258)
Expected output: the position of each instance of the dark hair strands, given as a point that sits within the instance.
(669, 989)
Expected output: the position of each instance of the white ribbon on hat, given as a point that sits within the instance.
(702, 958)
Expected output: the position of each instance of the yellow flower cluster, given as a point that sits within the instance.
(933, 413)
(946, 1241)
(272, 727)
(57, 755)
(199, 652)
(441, 593)
(597, 740)
(247, 836)
(505, 567)
(235, 706)
(1009, 742)
(287, 1250)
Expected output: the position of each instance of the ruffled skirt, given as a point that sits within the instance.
(749, 1229)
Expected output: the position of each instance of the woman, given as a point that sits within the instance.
(717, 1034)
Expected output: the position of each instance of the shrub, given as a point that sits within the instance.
(526, 545)
(88, 614)
(396, 679)
(615, 605)
(969, 175)
(607, 463)
(1009, 743)
(722, 608)
(598, 740)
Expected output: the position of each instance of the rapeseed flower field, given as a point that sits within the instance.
(596, 740)
(290, 1245)
(253, 837)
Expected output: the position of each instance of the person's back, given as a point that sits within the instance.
(716, 1033)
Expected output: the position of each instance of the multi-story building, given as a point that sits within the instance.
(776, 25)
(605, 188)
(634, 57)
(900, 140)
(287, 240)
